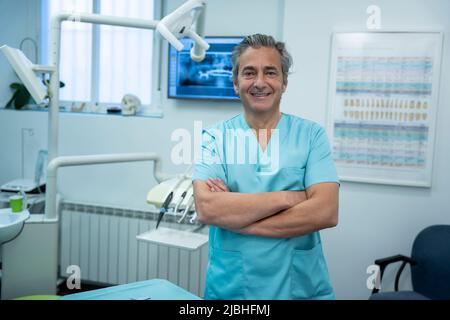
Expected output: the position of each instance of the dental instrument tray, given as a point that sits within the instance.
(174, 238)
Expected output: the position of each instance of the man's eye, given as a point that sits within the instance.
(248, 73)
(272, 73)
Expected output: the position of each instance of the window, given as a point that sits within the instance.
(102, 63)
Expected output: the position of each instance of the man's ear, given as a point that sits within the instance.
(236, 87)
(285, 84)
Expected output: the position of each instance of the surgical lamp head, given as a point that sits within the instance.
(178, 24)
(27, 72)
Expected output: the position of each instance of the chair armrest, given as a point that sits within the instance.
(384, 262)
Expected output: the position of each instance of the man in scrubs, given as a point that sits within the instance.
(266, 184)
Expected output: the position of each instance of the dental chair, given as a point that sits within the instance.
(430, 267)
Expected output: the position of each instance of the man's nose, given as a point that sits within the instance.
(260, 80)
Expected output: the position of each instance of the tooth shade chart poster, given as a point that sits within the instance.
(383, 101)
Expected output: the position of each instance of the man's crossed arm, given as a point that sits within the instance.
(280, 214)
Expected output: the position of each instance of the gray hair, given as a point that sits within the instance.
(257, 41)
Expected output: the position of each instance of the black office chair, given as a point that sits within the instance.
(430, 267)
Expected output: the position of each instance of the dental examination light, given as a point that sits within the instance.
(27, 72)
(179, 24)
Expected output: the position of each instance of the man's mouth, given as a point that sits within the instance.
(260, 94)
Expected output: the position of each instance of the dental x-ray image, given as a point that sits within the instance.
(214, 71)
(209, 79)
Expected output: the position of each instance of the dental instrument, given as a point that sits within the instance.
(194, 216)
(183, 195)
(169, 197)
(164, 208)
(188, 207)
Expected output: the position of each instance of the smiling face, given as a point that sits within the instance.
(260, 82)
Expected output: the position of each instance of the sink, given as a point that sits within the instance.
(11, 223)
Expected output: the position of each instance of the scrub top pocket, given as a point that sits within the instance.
(293, 178)
(225, 276)
(309, 275)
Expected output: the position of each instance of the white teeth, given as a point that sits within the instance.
(260, 94)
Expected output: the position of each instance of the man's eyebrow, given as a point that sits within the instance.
(271, 68)
(248, 68)
(265, 68)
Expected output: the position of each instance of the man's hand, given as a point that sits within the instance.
(217, 185)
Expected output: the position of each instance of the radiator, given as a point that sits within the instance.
(102, 242)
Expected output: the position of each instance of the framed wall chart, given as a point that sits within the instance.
(383, 103)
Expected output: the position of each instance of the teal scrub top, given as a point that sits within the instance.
(254, 267)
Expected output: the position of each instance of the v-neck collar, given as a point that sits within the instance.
(245, 126)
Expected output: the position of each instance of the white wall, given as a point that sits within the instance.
(375, 220)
